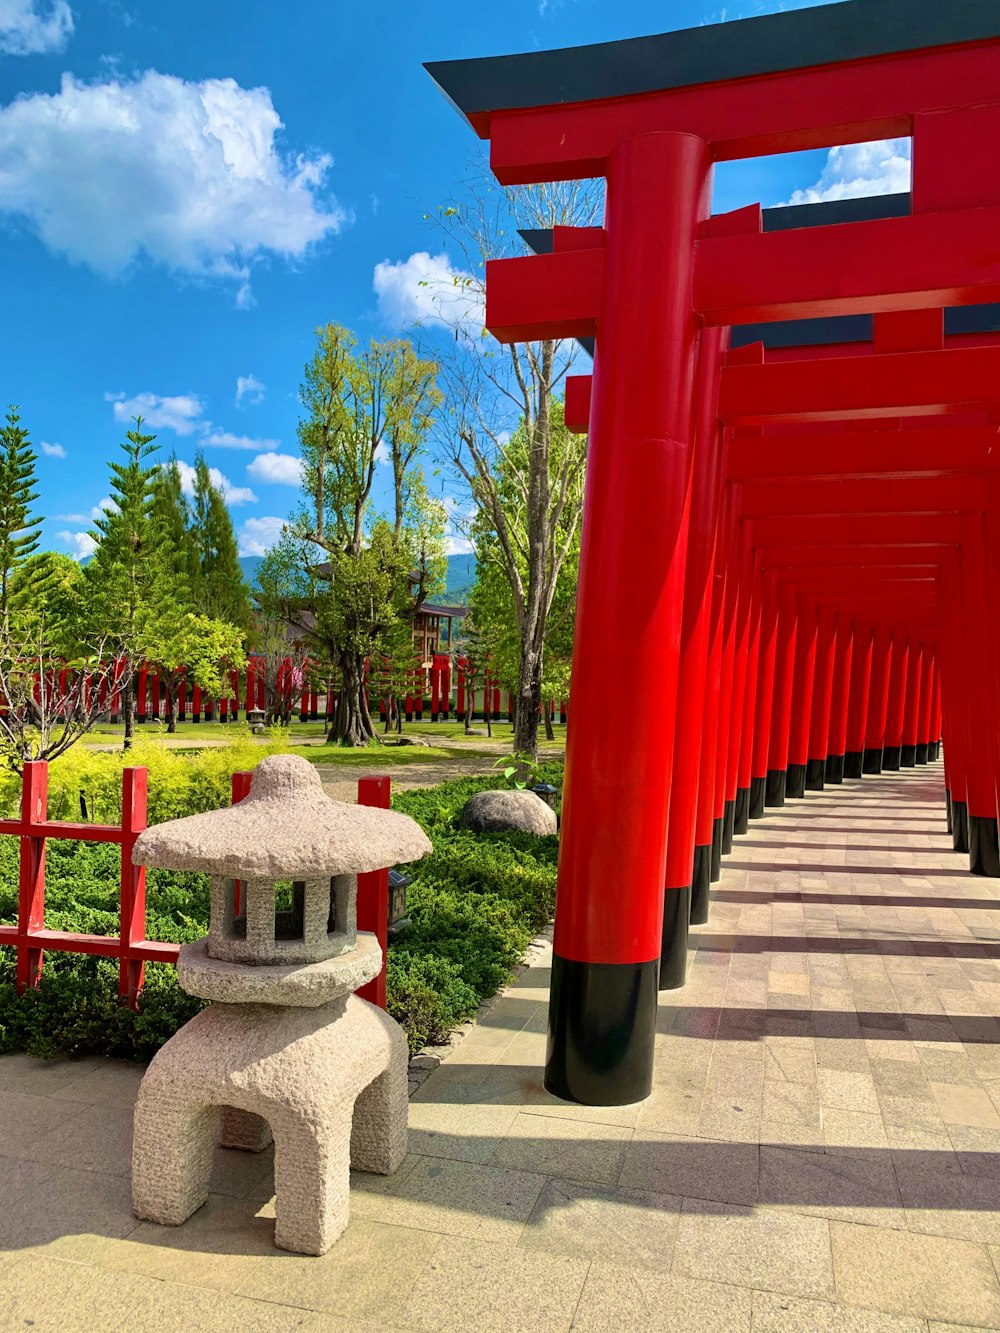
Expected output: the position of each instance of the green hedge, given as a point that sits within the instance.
(473, 906)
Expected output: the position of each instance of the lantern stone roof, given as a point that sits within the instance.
(286, 827)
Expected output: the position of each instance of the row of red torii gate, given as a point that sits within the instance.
(793, 503)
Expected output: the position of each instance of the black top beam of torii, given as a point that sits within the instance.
(771, 44)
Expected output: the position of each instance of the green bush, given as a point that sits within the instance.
(473, 905)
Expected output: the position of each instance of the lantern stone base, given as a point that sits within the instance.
(328, 1081)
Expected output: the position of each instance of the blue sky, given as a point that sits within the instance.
(188, 189)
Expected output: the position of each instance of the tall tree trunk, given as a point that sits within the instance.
(173, 707)
(352, 724)
(127, 697)
(550, 735)
(529, 699)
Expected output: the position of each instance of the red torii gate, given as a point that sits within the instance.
(651, 286)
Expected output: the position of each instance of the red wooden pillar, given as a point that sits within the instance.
(980, 674)
(460, 705)
(708, 834)
(925, 702)
(445, 700)
(686, 885)
(914, 678)
(898, 674)
(781, 711)
(954, 668)
(843, 657)
(857, 709)
(822, 700)
(196, 704)
(764, 703)
(156, 696)
(806, 630)
(936, 732)
(745, 774)
(142, 694)
(182, 699)
(732, 716)
(607, 944)
(132, 897)
(373, 892)
(31, 878)
(878, 700)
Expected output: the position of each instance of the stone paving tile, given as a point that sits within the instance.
(849, 1189)
(765, 1248)
(569, 1149)
(786, 1314)
(699, 1168)
(470, 1285)
(368, 1274)
(460, 1199)
(632, 1227)
(616, 1297)
(927, 1276)
(52, 1296)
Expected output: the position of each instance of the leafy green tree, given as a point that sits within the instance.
(343, 575)
(131, 588)
(18, 528)
(219, 588)
(197, 650)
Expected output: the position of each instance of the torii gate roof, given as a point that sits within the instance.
(714, 53)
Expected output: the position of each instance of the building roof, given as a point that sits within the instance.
(712, 53)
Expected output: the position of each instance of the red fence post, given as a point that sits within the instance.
(240, 788)
(132, 910)
(373, 892)
(31, 885)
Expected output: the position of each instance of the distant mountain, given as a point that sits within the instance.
(460, 579)
(250, 564)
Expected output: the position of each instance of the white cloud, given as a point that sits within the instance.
(188, 175)
(250, 388)
(426, 289)
(258, 535)
(52, 450)
(857, 170)
(30, 27)
(103, 506)
(382, 454)
(233, 495)
(460, 516)
(458, 546)
(183, 413)
(276, 469)
(80, 544)
(224, 439)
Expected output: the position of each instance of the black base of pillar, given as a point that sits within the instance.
(960, 826)
(716, 873)
(774, 790)
(872, 761)
(854, 763)
(674, 942)
(933, 751)
(921, 752)
(947, 808)
(701, 879)
(741, 817)
(728, 827)
(834, 771)
(758, 786)
(891, 758)
(602, 1028)
(796, 786)
(907, 756)
(815, 774)
(984, 846)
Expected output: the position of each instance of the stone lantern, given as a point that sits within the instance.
(286, 1048)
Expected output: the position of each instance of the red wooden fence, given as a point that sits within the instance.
(30, 937)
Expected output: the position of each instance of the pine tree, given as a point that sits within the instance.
(130, 578)
(219, 588)
(172, 516)
(18, 530)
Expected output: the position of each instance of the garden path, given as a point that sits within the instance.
(821, 1150)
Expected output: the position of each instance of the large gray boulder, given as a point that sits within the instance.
(506, 811)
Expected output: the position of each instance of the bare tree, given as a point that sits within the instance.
(504, 431)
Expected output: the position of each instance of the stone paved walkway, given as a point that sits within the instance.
(821, 1150)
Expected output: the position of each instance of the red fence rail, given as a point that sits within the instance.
(30, 937)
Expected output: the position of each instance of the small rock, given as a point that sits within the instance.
(424, 1061)
(502, 811)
